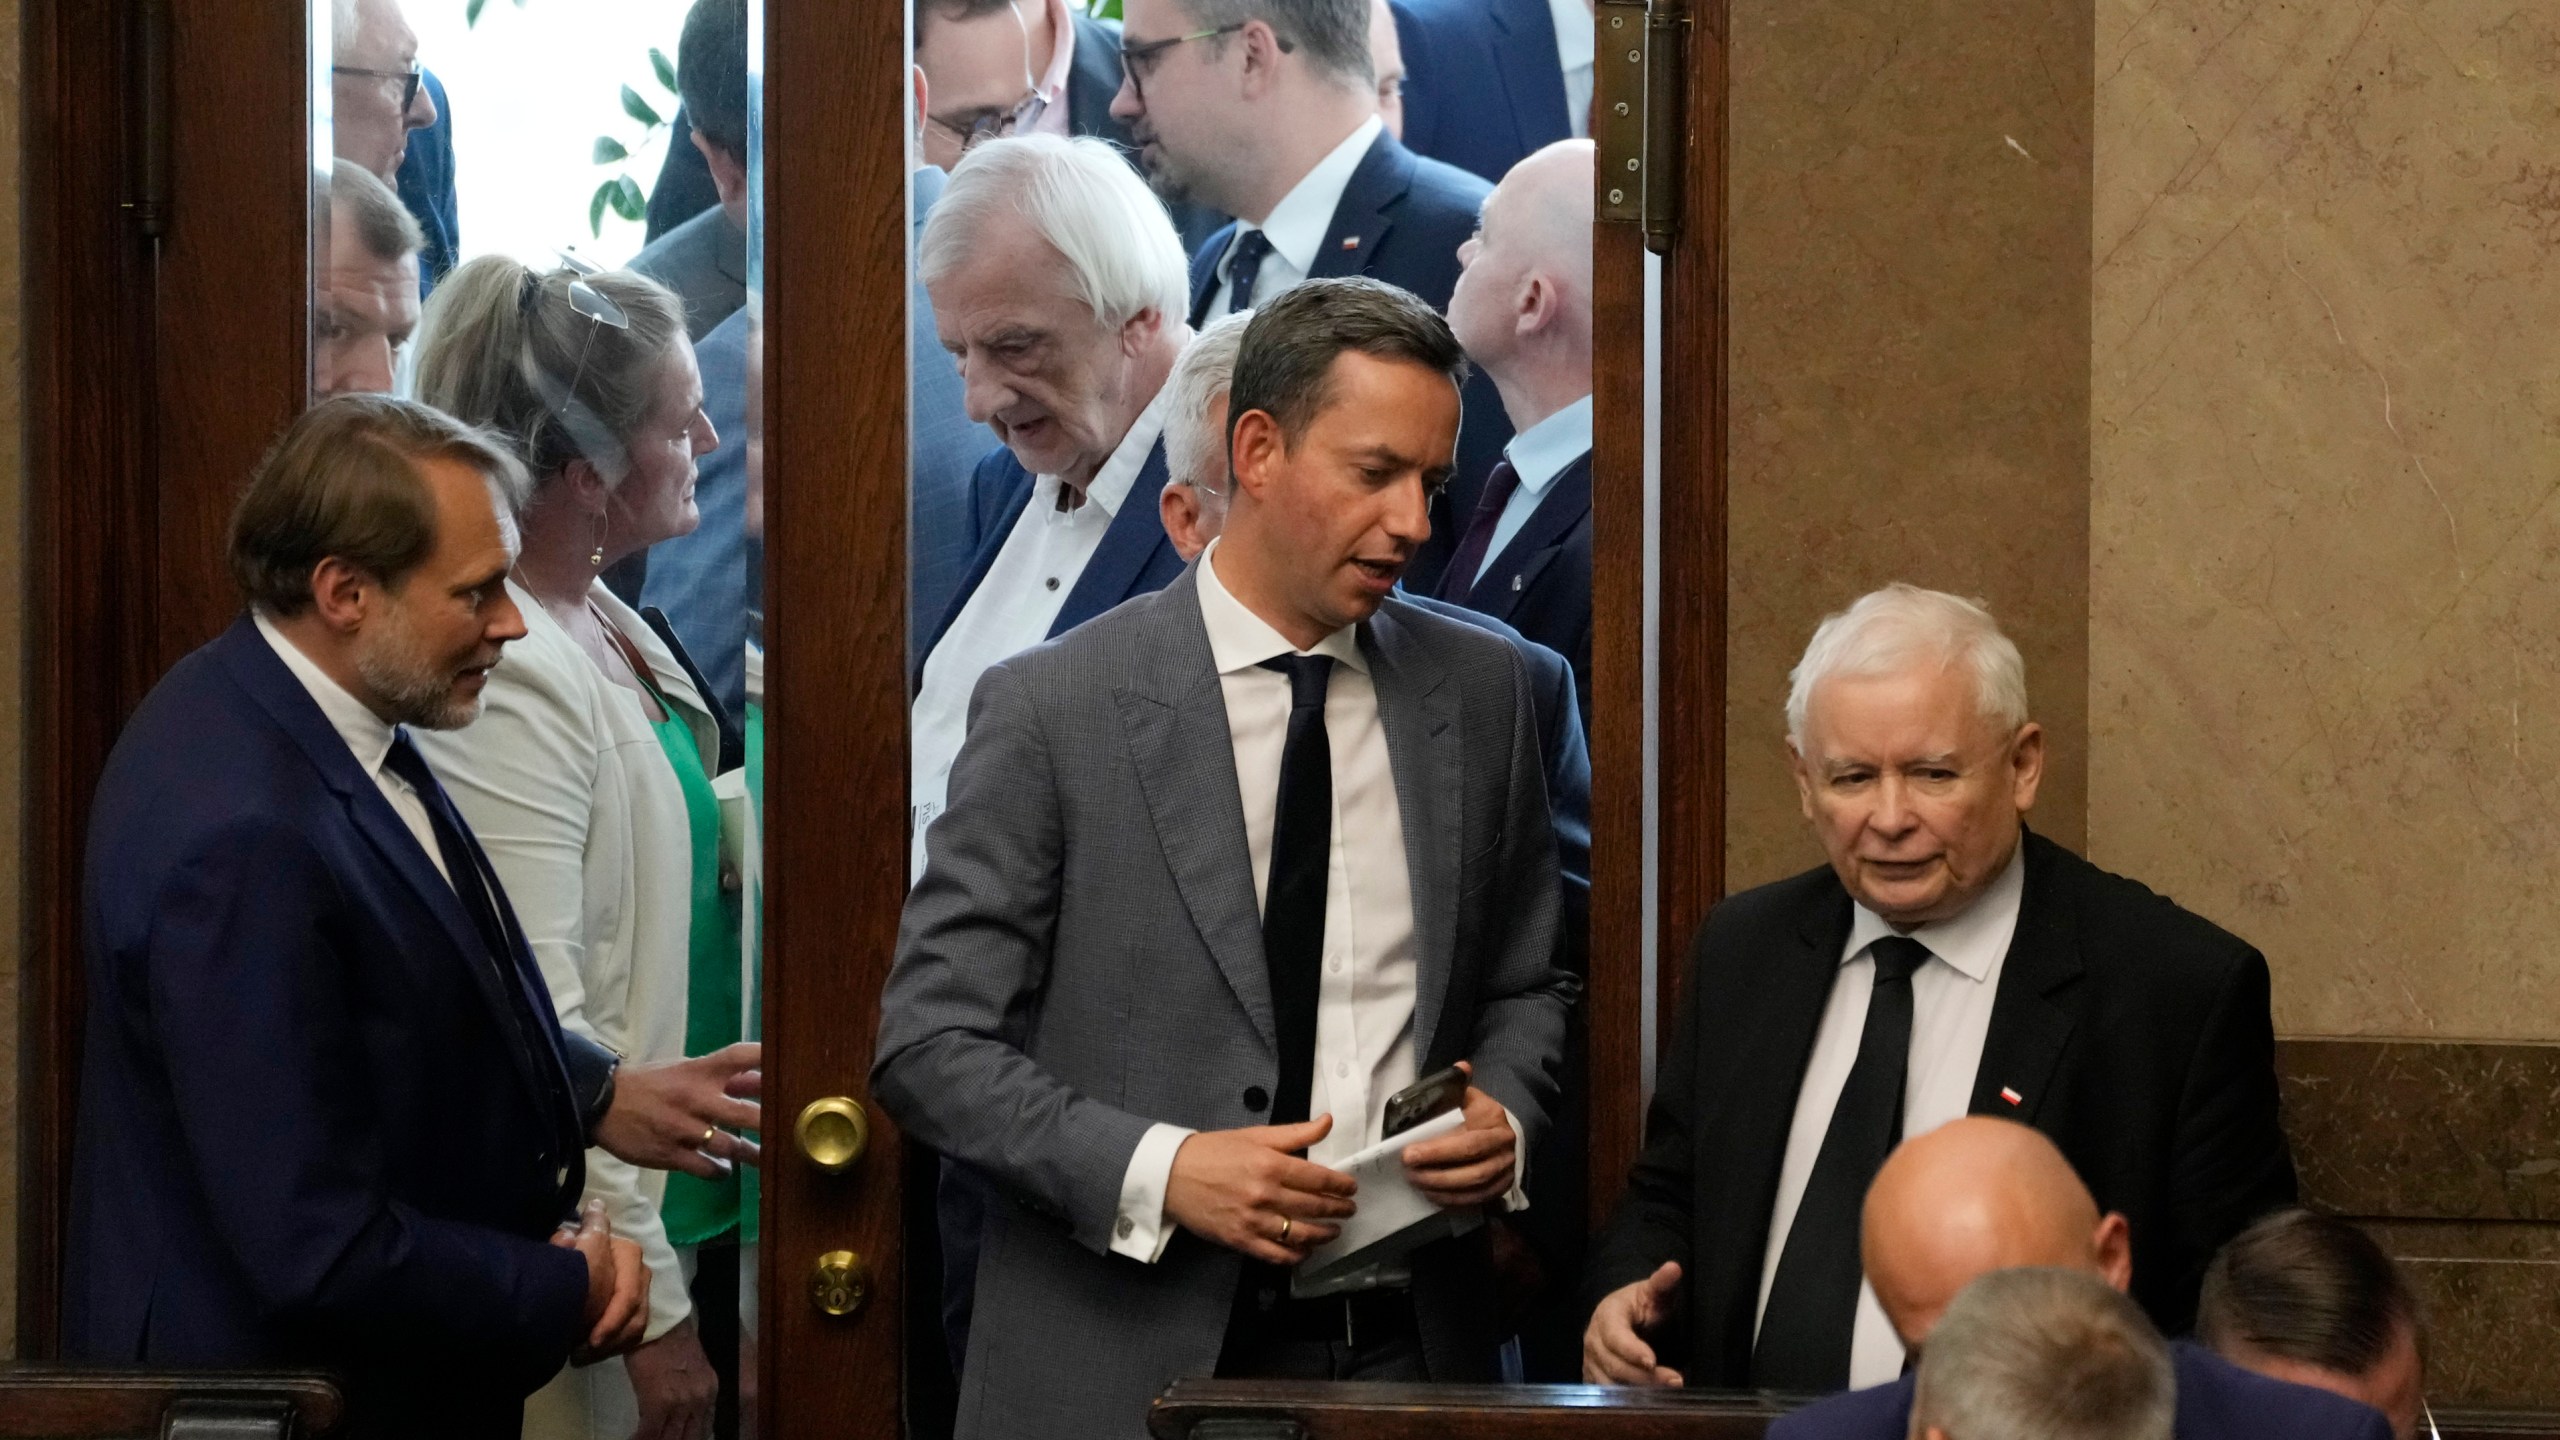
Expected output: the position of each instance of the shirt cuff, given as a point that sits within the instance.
(1140, 1231)
(1518, 1199)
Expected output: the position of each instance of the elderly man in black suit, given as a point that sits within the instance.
(1945, 962)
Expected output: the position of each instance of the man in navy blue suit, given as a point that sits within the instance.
(1056, 282)
(1523, 310)
(327, 1115)
(1981, 1195)
(1268, 110)
(1490, 82)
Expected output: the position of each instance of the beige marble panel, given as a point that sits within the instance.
(1910, 331)
(2325, 565)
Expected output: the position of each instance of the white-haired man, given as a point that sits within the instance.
(378, 93)
(1057, 284)
(1945, 962)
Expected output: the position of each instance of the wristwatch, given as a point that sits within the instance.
(592, 1068)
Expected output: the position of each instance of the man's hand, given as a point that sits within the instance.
(617, 1312)
(1614, 1351)
(1244, 1189)
(678, 1114)
(674, 1383)
(1471, 1164)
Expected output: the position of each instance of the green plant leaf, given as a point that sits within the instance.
(471, 12)
(608, 150)
(628, 202)
(666, 68)
(595, 207)
(638, 109)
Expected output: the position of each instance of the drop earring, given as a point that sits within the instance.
(595, 558)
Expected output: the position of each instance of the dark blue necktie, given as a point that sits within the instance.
(1244, 265)
(1293, 898)
(1812, 1313)
(1458, 582)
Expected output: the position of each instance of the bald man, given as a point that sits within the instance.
(1981, 1195)
(1522, 309)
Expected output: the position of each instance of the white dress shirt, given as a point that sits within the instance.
(1539, 454)
(1951, 999)
(1578, 53)
(367, 735)
(1301, 223)
(1365, 995)
(1013, 608)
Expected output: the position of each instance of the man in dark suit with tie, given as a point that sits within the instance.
(327, 1116)
(1945, 962)
(1490, 82)
(1143, 850)
(1983, 1196)
(1268, 110)
(1523, 310)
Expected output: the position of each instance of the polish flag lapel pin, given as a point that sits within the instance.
(2012, 1096)
(1350, 242)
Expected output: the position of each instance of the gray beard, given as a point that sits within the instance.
(413, 694)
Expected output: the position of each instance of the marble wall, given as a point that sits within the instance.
(1909, 272)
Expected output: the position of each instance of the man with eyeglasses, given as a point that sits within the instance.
(1268, 110)
(378, 93)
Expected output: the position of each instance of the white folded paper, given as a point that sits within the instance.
(1393, 1220)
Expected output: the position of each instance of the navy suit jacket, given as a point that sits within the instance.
(1135, 557)
(304, 1137)
(1483, 85)
(2217, 1400)
(1541, 580)
(426, 188)
(1408, 215)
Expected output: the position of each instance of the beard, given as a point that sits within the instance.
(394, 664)
(1172, 184)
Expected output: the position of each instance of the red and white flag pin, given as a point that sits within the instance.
(2012, 1096)
(1350, 242)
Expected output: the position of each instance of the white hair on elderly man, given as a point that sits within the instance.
(1195, 451)
(2044, 1354)
(1900, 627)
(1120, 247)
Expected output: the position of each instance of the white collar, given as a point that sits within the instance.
(1297, 225)
(1974, 942)
(367, 735)
(1577, 35)
(1542, 452)
(1240, 639)
(1111, 483)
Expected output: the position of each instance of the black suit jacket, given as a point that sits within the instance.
(2135, 1034)
(1540, 583)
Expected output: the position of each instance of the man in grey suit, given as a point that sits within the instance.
(1221, 871)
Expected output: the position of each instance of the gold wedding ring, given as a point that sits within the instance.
(1284, 1229)
(708, 1135)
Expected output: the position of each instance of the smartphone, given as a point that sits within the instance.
(1440, 1091)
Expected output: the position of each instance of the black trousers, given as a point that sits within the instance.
(1367, 1335)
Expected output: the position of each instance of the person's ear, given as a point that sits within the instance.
(2026, 766)
(1255, 452)
(2113, 1246)
(921, 91)
(1261, 58)
(1180, 507)
(1539, 304)
(1139, 331)
(729, 172)
(342, 595)
(1803, 774)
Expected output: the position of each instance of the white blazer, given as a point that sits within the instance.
(563, 780)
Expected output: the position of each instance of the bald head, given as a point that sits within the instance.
(1522, 307)
(1973, 1197)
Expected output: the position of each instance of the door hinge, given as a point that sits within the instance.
(1638, 119)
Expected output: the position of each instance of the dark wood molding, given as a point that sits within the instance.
(56, 1404)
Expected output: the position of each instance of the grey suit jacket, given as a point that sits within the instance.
(1083, 958)
(703, 260)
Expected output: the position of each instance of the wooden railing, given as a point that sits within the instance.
(60, 1404)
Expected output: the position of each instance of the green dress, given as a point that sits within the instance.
(698, 1210)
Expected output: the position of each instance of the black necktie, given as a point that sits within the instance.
(1813, 1301)
(1244, 264)
(1459, 580)
(476, 888)
(1294, 891)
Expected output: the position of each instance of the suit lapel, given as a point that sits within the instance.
(2038, 1005)
(988, 547)
(1364, 215)
(1136, 532)
(1419, 712)
(1175, 717)
(1204, 272)
(1564, 506)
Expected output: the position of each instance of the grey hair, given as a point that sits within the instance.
(1901, 626)
(1082, 198)
(2039, 1354)
(1333, 33)
(1194, 449)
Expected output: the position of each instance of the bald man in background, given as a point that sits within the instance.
(1981, 1195)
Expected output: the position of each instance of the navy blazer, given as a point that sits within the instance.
(1135, 557)
(2217, 1400)
(1541, 580)
(425, 183)
(1483, 84)
(305, 1138)
(1401, 219)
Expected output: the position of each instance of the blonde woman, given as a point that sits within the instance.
(589, 776)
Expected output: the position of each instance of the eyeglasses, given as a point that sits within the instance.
(1138, 60)
(410, 79)
(995, 124)
(601, 312)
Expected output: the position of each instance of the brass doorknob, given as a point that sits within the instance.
(833, 1133)
(841, 1283)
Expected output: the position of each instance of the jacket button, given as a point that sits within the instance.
(1256, 1099)
(1125, 1228)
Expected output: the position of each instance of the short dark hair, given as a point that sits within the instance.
(1286, 365)
(2309, 1288)
(711, 73)
(956, 11)
(383, 225)
(1333, 33)
(343, 481)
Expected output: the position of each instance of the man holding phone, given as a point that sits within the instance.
(1257, 851)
